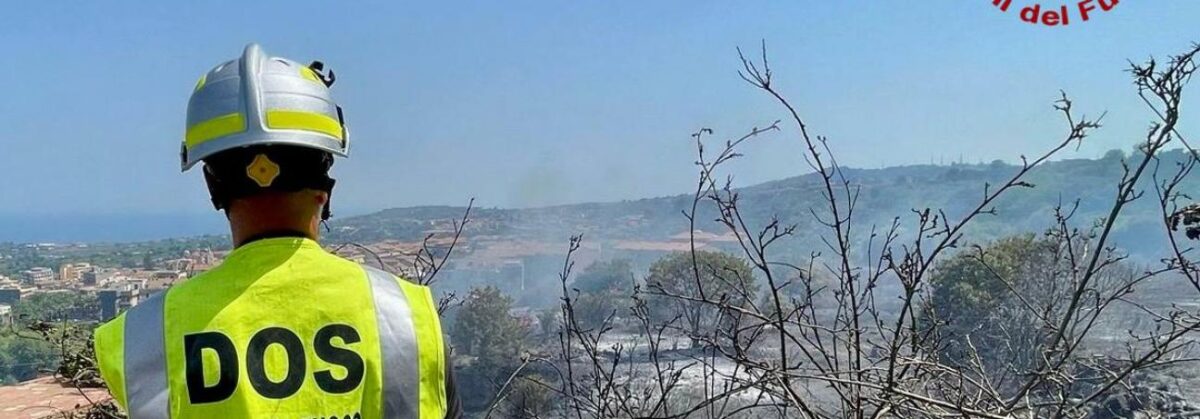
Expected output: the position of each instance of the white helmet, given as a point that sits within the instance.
(262, 100)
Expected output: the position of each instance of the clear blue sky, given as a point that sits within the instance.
(531, 103)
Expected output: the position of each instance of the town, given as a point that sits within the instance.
(115, 288)
(518, 266)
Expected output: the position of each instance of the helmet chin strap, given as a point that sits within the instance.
(325, 211)
(219, 194)
(325, 214)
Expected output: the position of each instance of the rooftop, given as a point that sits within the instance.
(45, 397)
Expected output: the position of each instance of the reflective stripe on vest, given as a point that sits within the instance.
(145, 368)
(397, 342)
(144, 360)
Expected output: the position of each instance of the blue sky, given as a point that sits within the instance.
(524, 103)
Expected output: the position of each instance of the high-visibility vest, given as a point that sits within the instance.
(281, 329)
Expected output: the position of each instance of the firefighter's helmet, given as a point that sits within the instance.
(262, 100)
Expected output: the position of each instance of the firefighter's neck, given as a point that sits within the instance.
(275, 214)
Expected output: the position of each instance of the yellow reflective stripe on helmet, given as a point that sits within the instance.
(306, 121)
(432, 368)
(217, 127)
(200, 83)
(309, 74)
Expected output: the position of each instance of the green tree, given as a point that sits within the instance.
(724, 277)
(24, 358)
(604, 290)
(994, 296)
(486, 329)
(971, 285)
(57, 307)
(592, 310)
(613, 275)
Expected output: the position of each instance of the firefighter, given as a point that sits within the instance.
(281, 328)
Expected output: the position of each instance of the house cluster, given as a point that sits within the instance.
(115, 288)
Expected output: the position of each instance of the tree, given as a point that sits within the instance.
(604, 289)
(680, 292)
(485, 328)
(592, 310)
(971, 285)
(989, 303)
(23, 358)
(606, 276)
(57, 307)
(970, 291)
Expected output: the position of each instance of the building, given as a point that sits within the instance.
(115, 300)
(10, 296)
(72, 272)
(201, 257)
(112, 302)
(183, 264)
(35, 275)
(90, 277)
(193, 261)
(161, 280)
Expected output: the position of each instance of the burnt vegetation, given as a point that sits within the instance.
(912, 317)
(1020, 327)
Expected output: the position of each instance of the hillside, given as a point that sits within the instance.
(885, 193)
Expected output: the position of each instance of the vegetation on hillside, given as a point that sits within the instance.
(883, 194)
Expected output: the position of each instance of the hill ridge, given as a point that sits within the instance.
(885, 193)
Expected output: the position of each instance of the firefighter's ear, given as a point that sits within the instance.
(320, 198)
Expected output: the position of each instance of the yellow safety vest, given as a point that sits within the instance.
(281, 329)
